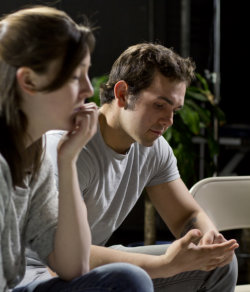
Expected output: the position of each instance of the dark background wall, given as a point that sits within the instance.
(123, 23)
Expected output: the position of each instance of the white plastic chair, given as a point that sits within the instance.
(227, 202)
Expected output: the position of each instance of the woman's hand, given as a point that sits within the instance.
(85, 126)
(73, 237)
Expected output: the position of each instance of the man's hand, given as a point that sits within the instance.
(194, 252)
(213, 237)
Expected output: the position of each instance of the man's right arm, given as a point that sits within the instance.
(183, 255)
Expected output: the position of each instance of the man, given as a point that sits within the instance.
(146, 86)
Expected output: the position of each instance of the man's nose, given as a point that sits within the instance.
(167, 120)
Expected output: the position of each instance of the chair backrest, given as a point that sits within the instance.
(226, 200)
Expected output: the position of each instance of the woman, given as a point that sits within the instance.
(44, 62)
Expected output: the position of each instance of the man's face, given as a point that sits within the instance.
(154, 110)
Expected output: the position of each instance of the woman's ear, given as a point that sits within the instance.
(26, 79)
(121, 93)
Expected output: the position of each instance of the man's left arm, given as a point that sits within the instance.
(181, 212)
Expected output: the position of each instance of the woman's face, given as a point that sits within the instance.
(57, 109)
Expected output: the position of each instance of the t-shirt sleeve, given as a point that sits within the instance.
(51, 143)
(164, 164)
(43, 212)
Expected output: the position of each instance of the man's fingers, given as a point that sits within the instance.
(234, 246)
(193, 236)
(220, 261)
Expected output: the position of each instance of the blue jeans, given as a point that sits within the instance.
(118, 277)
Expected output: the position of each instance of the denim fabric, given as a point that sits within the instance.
(117, 277)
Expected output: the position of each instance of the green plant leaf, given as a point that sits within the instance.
(196, 95)
(203, 81)
(96, 83)
(204, 114)
(191, 119)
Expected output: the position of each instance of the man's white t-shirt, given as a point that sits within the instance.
(111, 183)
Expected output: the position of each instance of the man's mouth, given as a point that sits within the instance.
(157, 132)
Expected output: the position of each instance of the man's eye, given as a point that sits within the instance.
(159, 105)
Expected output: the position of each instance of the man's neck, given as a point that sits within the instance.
(111, 130)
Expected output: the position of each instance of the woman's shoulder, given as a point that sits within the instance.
(5, 180)
(4, 167)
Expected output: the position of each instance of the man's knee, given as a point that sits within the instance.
(233, 270)
(226, 276)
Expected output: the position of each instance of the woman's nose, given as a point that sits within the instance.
(86, 89)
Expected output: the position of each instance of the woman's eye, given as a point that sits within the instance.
(76, 77)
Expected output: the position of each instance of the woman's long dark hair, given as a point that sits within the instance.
(33, 37)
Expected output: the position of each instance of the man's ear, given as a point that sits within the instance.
(26, 79)
(121, 93)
